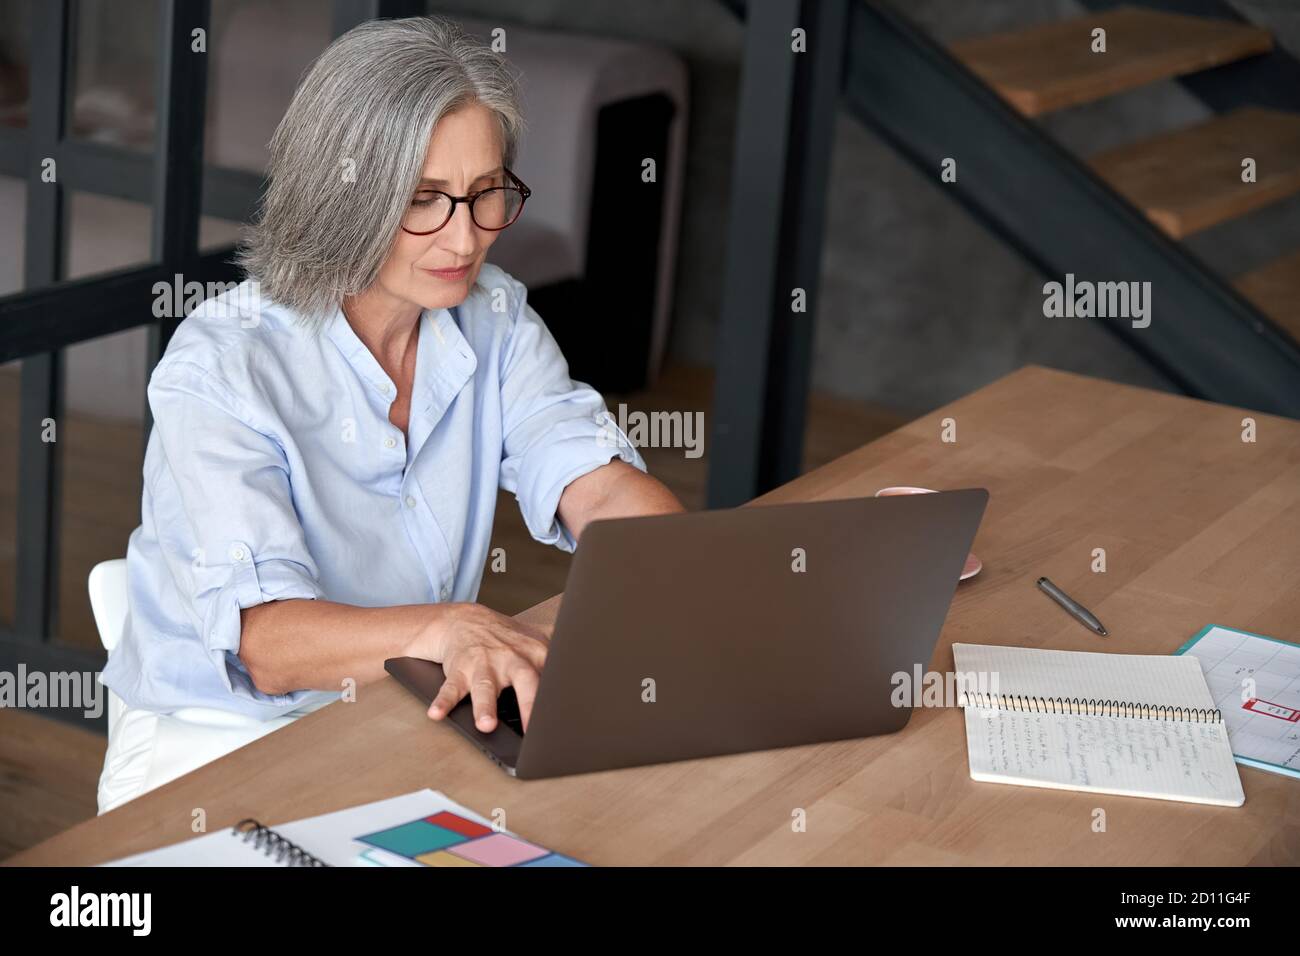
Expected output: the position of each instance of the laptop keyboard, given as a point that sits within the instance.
(508, 711)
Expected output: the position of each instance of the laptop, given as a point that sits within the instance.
(718, 632)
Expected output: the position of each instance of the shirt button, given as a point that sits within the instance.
(385, 387)
(237, 553)
(444, 593)
(390, 442)
(410, 501)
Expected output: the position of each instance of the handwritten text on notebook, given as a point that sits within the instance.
(1110, 753)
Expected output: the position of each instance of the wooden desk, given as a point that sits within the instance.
(1198, 528)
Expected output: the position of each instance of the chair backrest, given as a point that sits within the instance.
(108, 600)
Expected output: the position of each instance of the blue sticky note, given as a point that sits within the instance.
(553, 859)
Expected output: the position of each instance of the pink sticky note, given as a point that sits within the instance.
(499, 849)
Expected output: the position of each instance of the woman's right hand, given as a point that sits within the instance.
(482, 653)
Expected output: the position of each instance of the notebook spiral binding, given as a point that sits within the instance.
(271, 843)
(1089, 707)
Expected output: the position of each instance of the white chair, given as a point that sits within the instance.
(108, 604)
(186, 738)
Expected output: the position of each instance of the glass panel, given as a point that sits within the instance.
(113, 72)
(15, 35)
(259, 51)
(13, 199)
(100, 430)
(105, 234)
(13, 222)
(215, 232)
(10, 379)
(101, 441)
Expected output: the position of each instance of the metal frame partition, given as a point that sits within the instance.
(52, 313)
(784, 133)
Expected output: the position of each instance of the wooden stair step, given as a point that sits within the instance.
(1275, 290)
(1052, 66)
(1190, 179)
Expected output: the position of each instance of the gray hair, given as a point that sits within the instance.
(367, 106)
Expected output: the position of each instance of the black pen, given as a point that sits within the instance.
(1075, 609)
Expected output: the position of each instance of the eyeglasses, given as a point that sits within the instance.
(492, 209)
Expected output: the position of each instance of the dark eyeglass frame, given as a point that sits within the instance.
(470, 199)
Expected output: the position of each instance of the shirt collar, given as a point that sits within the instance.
(444, 363)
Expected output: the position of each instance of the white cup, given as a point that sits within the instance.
(973, 564)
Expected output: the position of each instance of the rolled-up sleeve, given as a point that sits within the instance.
(554, 430)
(224, 514)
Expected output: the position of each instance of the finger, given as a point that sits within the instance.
(531, 650)
(483, 690)
(448, 696)
(525, 681)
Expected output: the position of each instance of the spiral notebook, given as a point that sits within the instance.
(423, 828)
(1126, 724)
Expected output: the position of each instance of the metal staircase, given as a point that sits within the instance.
(1119, 216)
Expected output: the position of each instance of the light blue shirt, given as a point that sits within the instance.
(272, 472)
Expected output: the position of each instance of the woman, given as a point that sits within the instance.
(322, 472)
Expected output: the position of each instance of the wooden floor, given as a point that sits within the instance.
(49, 770)
(48, 774)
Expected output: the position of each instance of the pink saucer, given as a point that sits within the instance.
(973, 564)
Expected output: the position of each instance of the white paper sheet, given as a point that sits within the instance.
(1255, 682)
(328, 837)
